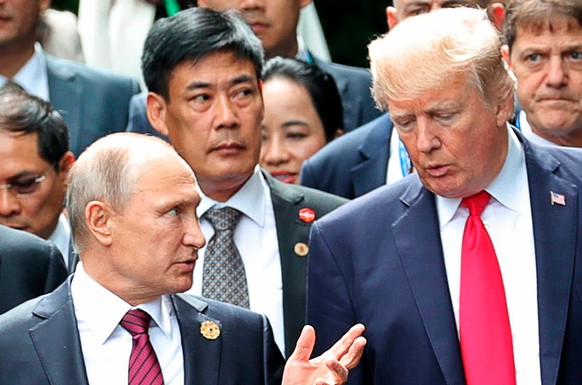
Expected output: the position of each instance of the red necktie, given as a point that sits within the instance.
(485, 332)
(144, 367)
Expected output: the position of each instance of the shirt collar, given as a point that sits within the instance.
(513, 173)
(33, 75)
(61, 237)
(102, 310)
(251, 199)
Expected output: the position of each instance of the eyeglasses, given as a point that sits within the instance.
(27, 185)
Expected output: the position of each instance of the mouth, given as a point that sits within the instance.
(285, 176)
(187, 265)
(437, 170)
(228, 149)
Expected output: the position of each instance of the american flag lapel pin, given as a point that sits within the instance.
(557, 199)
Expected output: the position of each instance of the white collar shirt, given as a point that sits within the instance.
(33, 76)
(256, 239)
(508, 220)
(107, 346)
(61, 237)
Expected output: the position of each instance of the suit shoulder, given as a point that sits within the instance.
(336, 69)
(317, 199)
(21, 244)
(64, 68)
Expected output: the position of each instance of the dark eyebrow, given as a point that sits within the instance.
(239, 79)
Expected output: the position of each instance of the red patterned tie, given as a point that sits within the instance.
(485, 332)
(144, 367)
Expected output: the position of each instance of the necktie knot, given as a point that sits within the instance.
(476, 203)
(223, 219)
(136, 322)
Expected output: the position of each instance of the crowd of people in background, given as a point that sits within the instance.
(191, 191)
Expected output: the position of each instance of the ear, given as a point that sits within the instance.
(506, 55)
(203, 3)
(496, 12)
(505, 111)
(391, 17)
(65, 164)
(156, 107)
(98, 217)
(339, 132)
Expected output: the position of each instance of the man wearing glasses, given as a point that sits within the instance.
(35, 163)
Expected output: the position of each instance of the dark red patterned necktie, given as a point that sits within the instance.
(144, 368)
(485, 332)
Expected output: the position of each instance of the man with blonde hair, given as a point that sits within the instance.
(459, 272)
(120, 319)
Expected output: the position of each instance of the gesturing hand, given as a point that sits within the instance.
(332, 367)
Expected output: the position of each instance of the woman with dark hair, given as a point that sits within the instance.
(303, 112)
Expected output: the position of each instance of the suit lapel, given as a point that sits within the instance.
(371, 173)
(201, 355)
(66, 95)
(555, 230)
(56, 339)
(290, 231)
(423, 261)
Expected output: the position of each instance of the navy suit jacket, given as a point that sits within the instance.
(29, 267)
(353, 164)
(93, 103)
(380, 259)
(287, 201)
(354, 85)
(40, 344)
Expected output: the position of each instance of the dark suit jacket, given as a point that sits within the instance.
(93, 103)
(353, 164)
(287, 201)
(380, 261)
(40, 344)
(29, 267)
(354, 85)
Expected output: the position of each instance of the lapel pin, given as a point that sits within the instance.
(557, 199)
(307, 215)
(301, 249)
(210, 330)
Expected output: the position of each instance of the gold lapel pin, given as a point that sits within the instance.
(210, 330)
(301, 249)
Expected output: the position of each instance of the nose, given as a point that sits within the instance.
(274, 152)
(426, 140)
(556, 72)
(252, 4)
(9, 204)
(193, 233)
(226, 112)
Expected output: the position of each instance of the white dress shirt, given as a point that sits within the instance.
(61, 237)
(508, 220)
(394, 170)
(107, 346)
(256, 239)
(33, 76)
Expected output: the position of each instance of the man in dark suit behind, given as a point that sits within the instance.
(132, 202)
(34, 148)
(93, 103)
(29, 267)
(397, 259)
(203, 70)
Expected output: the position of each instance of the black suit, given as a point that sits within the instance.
(29, 267)
(40, 344)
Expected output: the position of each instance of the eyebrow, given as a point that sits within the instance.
(237, 80)
(294, 122)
